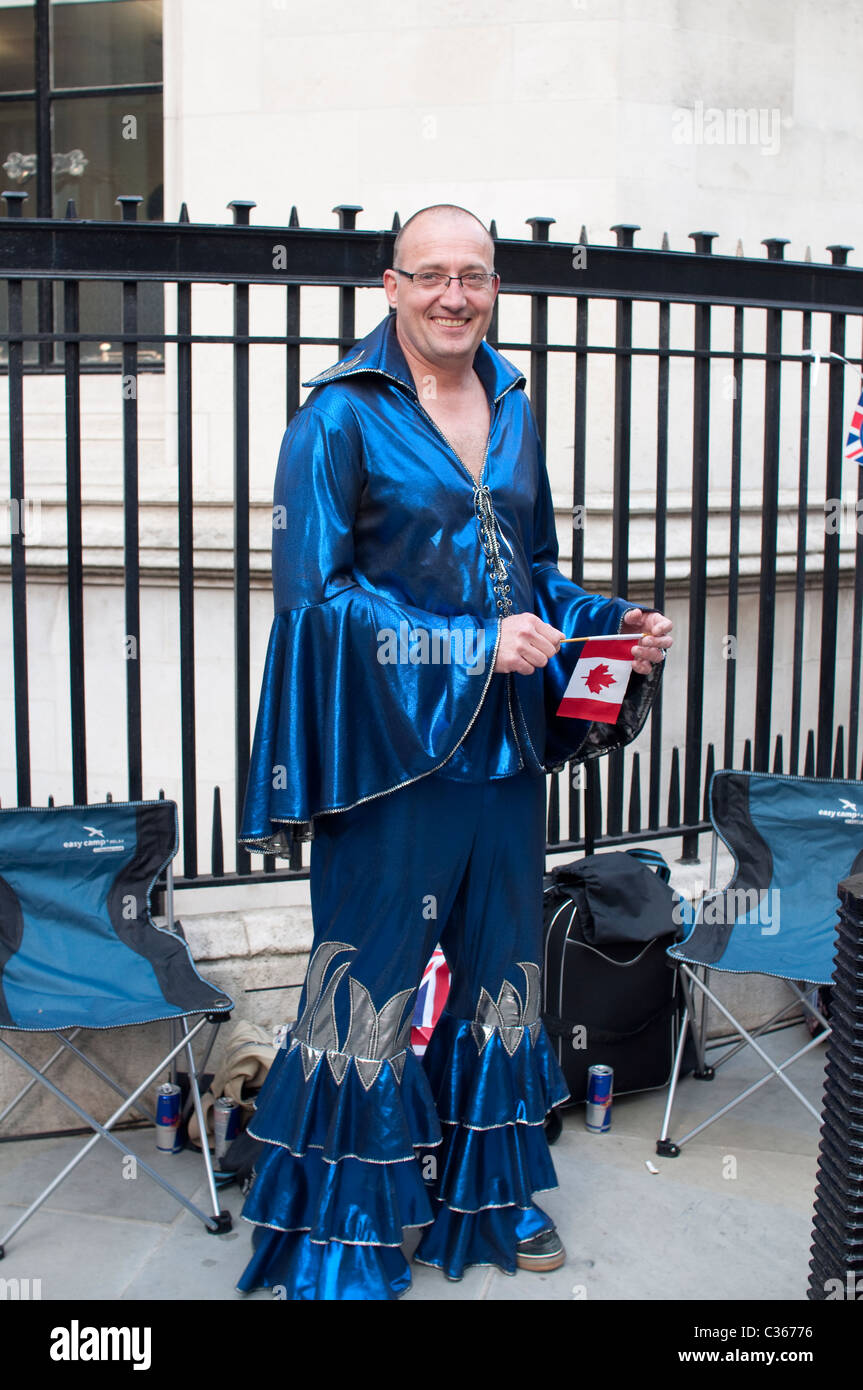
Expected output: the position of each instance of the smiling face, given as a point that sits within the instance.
(442, 327)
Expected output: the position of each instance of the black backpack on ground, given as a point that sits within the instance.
(610, 994)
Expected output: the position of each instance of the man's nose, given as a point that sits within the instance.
(454, 294)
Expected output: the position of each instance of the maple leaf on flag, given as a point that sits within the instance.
(600, 678)
(597, 686)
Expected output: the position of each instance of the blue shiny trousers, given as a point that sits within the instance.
(363, 1138)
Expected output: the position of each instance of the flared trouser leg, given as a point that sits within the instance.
(493, 1074)
(361, 1138)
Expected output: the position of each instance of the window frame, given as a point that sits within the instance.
(42, 96)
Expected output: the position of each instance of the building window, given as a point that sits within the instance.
(81, 121)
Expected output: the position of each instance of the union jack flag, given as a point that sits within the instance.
(853, 444)
(431, 998)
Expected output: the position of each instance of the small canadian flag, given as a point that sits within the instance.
(598, 683)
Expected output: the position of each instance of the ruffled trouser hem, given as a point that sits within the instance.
(454, 1144)
(298, 1268)
(493, 1089)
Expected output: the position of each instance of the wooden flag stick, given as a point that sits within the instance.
(613, 637)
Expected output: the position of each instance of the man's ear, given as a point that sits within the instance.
(391, 280)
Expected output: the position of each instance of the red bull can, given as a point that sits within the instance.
(226, 1124)
(168, 1118)
(597, 1111)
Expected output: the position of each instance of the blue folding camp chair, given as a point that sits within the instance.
(79, 950)
(793, 839)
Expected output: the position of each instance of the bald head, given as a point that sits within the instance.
(435, 219)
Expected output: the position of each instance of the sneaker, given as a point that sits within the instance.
(541, 1253)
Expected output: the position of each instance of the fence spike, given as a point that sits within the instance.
(217, 856)
(839, 755)
(739, 251)
(777, 756)
(809, 761)
(807, 254)
(574, 804)
(635, 796)
(665, 244)
(553, 825)
(747, 755)
(492, 229)
(50, 801)
(582, 236)
(294, 219)
(674, 789)
(109, 796)
(592, 808)
(184, 213)
(709, 770)
(397, 222)
(71, 211)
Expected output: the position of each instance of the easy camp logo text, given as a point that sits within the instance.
(847, 811)
(97, 841)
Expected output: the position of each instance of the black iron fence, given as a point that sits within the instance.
(699, 402)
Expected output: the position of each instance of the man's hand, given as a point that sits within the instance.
(653, 645)
(525, 643)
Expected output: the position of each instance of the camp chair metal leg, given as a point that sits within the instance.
(214, 1033)
(212, 1223)
(109, 1081)
(662, 1145)
(202, 1066)
(703, 1071)
(702, 1030)
(25, 1090)
(195, 1091)
(174, 1063)
(701, 1043)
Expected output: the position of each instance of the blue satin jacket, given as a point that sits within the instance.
(392, 571)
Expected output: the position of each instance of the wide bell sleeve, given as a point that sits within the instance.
(352, 704)
(562, 603)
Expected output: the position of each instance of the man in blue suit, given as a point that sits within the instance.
(406, 723)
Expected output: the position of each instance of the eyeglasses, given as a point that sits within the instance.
(435, 279)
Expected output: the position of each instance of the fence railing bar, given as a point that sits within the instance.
(18, 559)
(769, 529)
(171, 251)
(660, 539)
(74, 549)
(131, 552)
(185, 541)
(856, 633)
(242, 622)
(830, 583)
(625, 233)
(698, 562)
(734, 541)
(800, 577)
